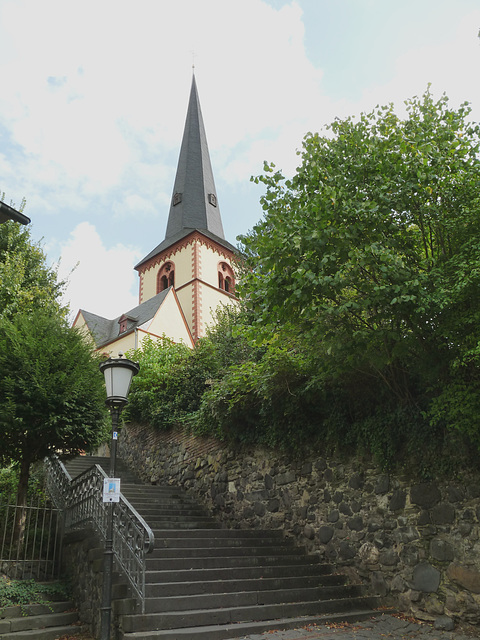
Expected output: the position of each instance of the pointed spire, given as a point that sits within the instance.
(194, 202)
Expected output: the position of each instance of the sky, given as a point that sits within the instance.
(95, 92)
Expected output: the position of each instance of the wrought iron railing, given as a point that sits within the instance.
(81, 502)
(35, 553)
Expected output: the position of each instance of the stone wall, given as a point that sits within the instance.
(82, 564)
(415, 544)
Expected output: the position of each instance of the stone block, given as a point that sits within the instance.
(441, 550)
(426, 578)
(356, 506)
(328, 474)
(356, 481)
(409, 555)
(368, 553)
(306, 469)
(285, 478)
(443, 513)
(356, 523)
(346, 551)
(309, 532)
(389, 558)
(269, 482)
(425, 494)
(424, 519)
(325, 534)
(259, 508)
(345, 509)
(444, 623)
(378, 584)
(383, 484)
(466, 577)
(333, 516)
(434, 605)
(273, 505)
(455, 494)
(397, 500)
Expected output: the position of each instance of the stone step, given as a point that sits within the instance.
(38, 621)
(242, 629)
(237, 573)
(228, 562)
(249, 598)
(232, 551)
(184, 524)
(233, 615)
(228, 534)
(162, 541)
(37, 609)
(78, 465)
(167, 511)
(173, 519)
(49, 633)
(164, 589)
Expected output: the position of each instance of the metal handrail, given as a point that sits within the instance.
(81, 502)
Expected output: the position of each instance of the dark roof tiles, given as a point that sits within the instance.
(105, 331)
(194, 202)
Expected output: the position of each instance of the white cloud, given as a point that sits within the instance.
(103, 280)
(95, 97)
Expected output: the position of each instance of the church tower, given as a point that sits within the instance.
(188, 275)
(194, 258)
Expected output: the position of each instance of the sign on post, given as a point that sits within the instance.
(111, 489)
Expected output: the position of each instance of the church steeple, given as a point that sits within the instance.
(194, 259)
(194, 202)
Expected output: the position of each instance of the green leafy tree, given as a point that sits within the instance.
(51, 393)
(154, 394)
(26, 281)
(373, 250)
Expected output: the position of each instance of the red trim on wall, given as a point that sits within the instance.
(195, 236)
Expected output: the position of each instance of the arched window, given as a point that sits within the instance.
(226, 278)
(166, 277)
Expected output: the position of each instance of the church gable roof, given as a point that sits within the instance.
(105, 331)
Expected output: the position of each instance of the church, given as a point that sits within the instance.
(184, 279)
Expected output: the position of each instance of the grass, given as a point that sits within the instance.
(24, 592)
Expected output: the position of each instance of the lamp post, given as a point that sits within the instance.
(118, 374)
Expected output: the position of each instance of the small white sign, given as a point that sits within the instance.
(111, 489)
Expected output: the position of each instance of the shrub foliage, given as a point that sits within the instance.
(357, 329)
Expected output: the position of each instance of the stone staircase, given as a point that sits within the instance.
(204, 582)
(40, 622)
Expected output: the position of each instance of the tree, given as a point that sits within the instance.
(373, 249)
(26, 282)
(51, 392)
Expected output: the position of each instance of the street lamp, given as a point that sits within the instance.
(118, 373)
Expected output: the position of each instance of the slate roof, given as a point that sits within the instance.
(194, 204)
(105, 331)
